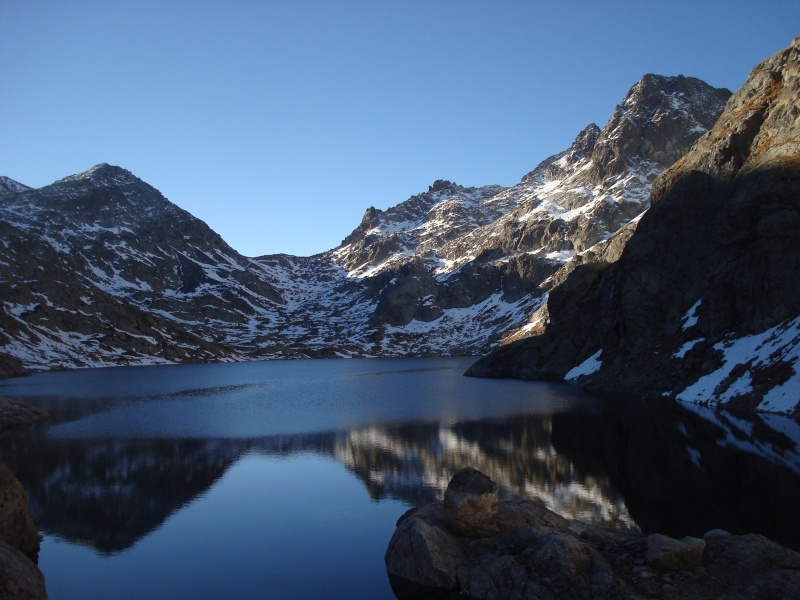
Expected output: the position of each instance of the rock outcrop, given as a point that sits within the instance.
(19, 577)
(704, 303)
(19, 543)
(16, 522)
(538, 554)
(471, 502)
(11, 367)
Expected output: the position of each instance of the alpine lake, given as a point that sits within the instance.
(284, 479)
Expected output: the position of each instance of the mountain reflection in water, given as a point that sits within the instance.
(655, 466)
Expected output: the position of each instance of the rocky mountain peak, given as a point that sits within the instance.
(102, 173)
(553, 166)
(9, 186)
(419, 224)
(654, 125)
(657, 122)
(584, 143)
(703, 304)
(441, 185)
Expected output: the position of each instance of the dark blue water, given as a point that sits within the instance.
(285, 479)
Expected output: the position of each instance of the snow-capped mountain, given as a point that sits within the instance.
(463, 266)
(704, 303)
(9, 186)
(100, 269)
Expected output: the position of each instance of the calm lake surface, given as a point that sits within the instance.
(285, 479)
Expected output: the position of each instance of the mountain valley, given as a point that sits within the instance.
(571, 271)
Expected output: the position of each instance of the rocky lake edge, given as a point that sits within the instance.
(520, 549)
(20, 576)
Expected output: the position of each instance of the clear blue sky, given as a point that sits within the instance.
(279, 122)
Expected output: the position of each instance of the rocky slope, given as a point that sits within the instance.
(100, 269)
(463, 266)
(704, 303)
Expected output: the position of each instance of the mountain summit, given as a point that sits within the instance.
(704, 302)
(102, 269)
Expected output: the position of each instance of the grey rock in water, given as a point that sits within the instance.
(17, 527)
(426, 552)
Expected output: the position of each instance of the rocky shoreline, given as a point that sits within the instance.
(520, 549)
(20, 576)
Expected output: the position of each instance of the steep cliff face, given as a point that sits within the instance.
(704, 302)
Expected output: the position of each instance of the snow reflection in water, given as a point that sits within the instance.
(120, 475)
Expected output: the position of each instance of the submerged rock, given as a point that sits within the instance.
(535, 553)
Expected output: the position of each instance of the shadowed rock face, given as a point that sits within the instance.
(19, 577)
(713, 261)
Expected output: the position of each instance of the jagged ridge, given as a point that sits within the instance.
(113, 273)
(704, 303)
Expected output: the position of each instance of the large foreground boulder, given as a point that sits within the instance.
(19, 542)
(471, 503)
(535, 553)
(16, 522)
(20, 579)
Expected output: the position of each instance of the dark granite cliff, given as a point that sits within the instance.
(704, 301)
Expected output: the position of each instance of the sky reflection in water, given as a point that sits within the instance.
(286, 479)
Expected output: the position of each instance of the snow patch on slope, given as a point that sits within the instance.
(744, 356)
(587, 367)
